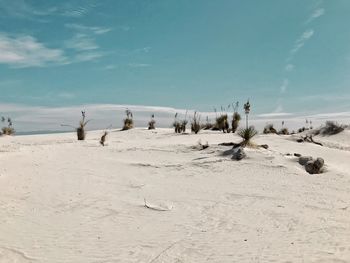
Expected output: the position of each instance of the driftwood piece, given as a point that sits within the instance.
(230, 144)
(156, 208)
(308, 138)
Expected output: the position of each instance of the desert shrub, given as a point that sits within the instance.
(152, 123)
(300, 130)
(195, 124)
(7, 130)
(247, 134)
(180, 125)
(221, 123)
(128, 121)
(284, 131)
(81, 129)
(269, 129)
(235, 121)
(330, 128)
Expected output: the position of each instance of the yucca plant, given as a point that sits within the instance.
(195, 125)
(152, 123)
(7, 130)
(247, 134)
(247, 111)
(81, 129)
(128, 121)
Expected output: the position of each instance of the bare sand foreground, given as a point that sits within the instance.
(62, 200)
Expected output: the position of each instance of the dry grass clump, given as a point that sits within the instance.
(180, 125)
(152, 123)
(81, 129)
(195, 124)
(183, 125)
(7, 130)
(269, 129)
(330, 128)
(247, 134)
(128, 121)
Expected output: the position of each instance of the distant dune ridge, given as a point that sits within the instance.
(156, 196)
(28, 119)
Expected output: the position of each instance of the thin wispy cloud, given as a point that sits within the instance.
(79, 10)
(284, 86)
(84, 42)
(87, 56)
(289, 67)
(81, 42)
(139, 65)
(89, 29)
(300, 42)
(142, 50)
(23, 10)
(27, 51)
(316, 14)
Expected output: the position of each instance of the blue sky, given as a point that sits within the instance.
(287, 56)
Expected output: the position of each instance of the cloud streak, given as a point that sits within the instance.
(316, 14)
(27, 51)
(300, 42)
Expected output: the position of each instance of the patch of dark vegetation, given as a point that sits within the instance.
(128, 121)
(8, 129)
(330, 128)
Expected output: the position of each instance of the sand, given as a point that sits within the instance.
(63, 200)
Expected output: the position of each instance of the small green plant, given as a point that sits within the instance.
(81, 129)
(128, 121)
(195, 125)
(152, 123)
(7, 130)
(247, 134)
(236, 118)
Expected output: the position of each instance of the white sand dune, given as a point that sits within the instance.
(62, 200)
